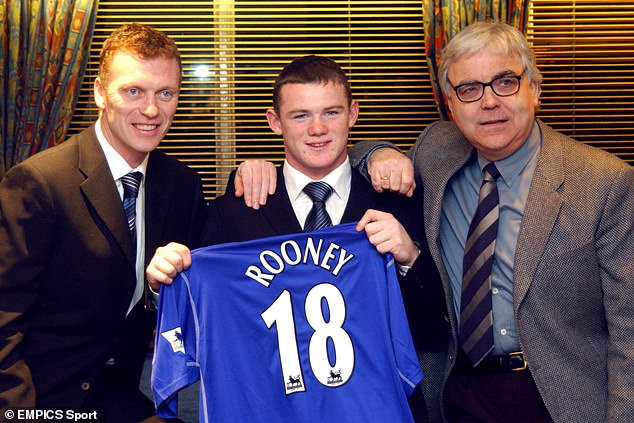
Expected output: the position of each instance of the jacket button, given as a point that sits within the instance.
(85, 386)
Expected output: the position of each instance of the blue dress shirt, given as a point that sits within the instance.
(459, 205)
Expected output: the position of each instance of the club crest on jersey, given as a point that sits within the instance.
(175, 338)
(294, 383)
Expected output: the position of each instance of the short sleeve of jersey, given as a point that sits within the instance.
(174, 365)
(303, 327)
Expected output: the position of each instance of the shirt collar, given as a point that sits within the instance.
(117, 164)
(339, 179)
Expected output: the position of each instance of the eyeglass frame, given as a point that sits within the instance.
(490, 85)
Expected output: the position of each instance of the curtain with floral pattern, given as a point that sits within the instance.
(43, 54)
(445, 18)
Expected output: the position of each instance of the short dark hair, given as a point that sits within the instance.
(307, 70)
(140, 40)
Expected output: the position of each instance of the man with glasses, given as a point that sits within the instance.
(542, 317)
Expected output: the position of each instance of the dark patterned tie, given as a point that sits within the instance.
(131, 183)
(476, 311)
(318, 216)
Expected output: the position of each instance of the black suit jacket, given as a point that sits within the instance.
(67, 269)
(230, 220)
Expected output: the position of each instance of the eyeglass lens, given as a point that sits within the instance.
(503, 86)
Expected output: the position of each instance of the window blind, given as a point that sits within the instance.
(232, 51)
(585, 50)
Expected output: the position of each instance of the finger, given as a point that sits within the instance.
(242, 184)
(269, 181)
(376, 178)
(387, 180)
(410, 192)
(362, 222)
(255, 183)
(369, 216)
(379, 232)
(394, 182)
(238, 186)
(272, 179)
(159, 272)
(407, 178)
(172, 258)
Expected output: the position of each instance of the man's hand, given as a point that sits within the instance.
(389, 236)
(390, 170)
(167, 263)
(256, 180)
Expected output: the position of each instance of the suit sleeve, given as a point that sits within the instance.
(615, 249)
(26, 228)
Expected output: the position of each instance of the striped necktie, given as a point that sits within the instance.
(131, 182)
(318, 216)
(476, 311)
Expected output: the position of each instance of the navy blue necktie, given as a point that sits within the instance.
(131, 183)
(318, 216)
(476, 307)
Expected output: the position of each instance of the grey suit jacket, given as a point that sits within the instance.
(67, 269)
(573, 276)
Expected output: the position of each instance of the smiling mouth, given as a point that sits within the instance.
(145, 127)
(318, 144)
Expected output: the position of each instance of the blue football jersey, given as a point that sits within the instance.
(300, 328)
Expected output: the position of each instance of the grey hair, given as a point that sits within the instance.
(494, 36)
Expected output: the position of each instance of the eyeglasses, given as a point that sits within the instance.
(502, 86)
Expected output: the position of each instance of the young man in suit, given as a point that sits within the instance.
(313, 110)
(562, 280)
(75, 323)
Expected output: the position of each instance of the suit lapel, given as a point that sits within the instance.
(362, 197)
(438, 160)
(100, 190)
(158, 188)
(279, 211)
(280, 215)
(540, 214)
(438, 165)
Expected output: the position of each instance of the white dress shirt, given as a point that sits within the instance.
(340, 181)
(119, 167)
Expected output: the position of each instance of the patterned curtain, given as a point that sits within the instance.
(445, 18)
(44, 50)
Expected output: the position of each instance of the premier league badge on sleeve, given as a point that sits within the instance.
(175, 338)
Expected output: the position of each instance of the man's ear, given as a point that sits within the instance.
(274, 121)
(100, 93)
(354, 113)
